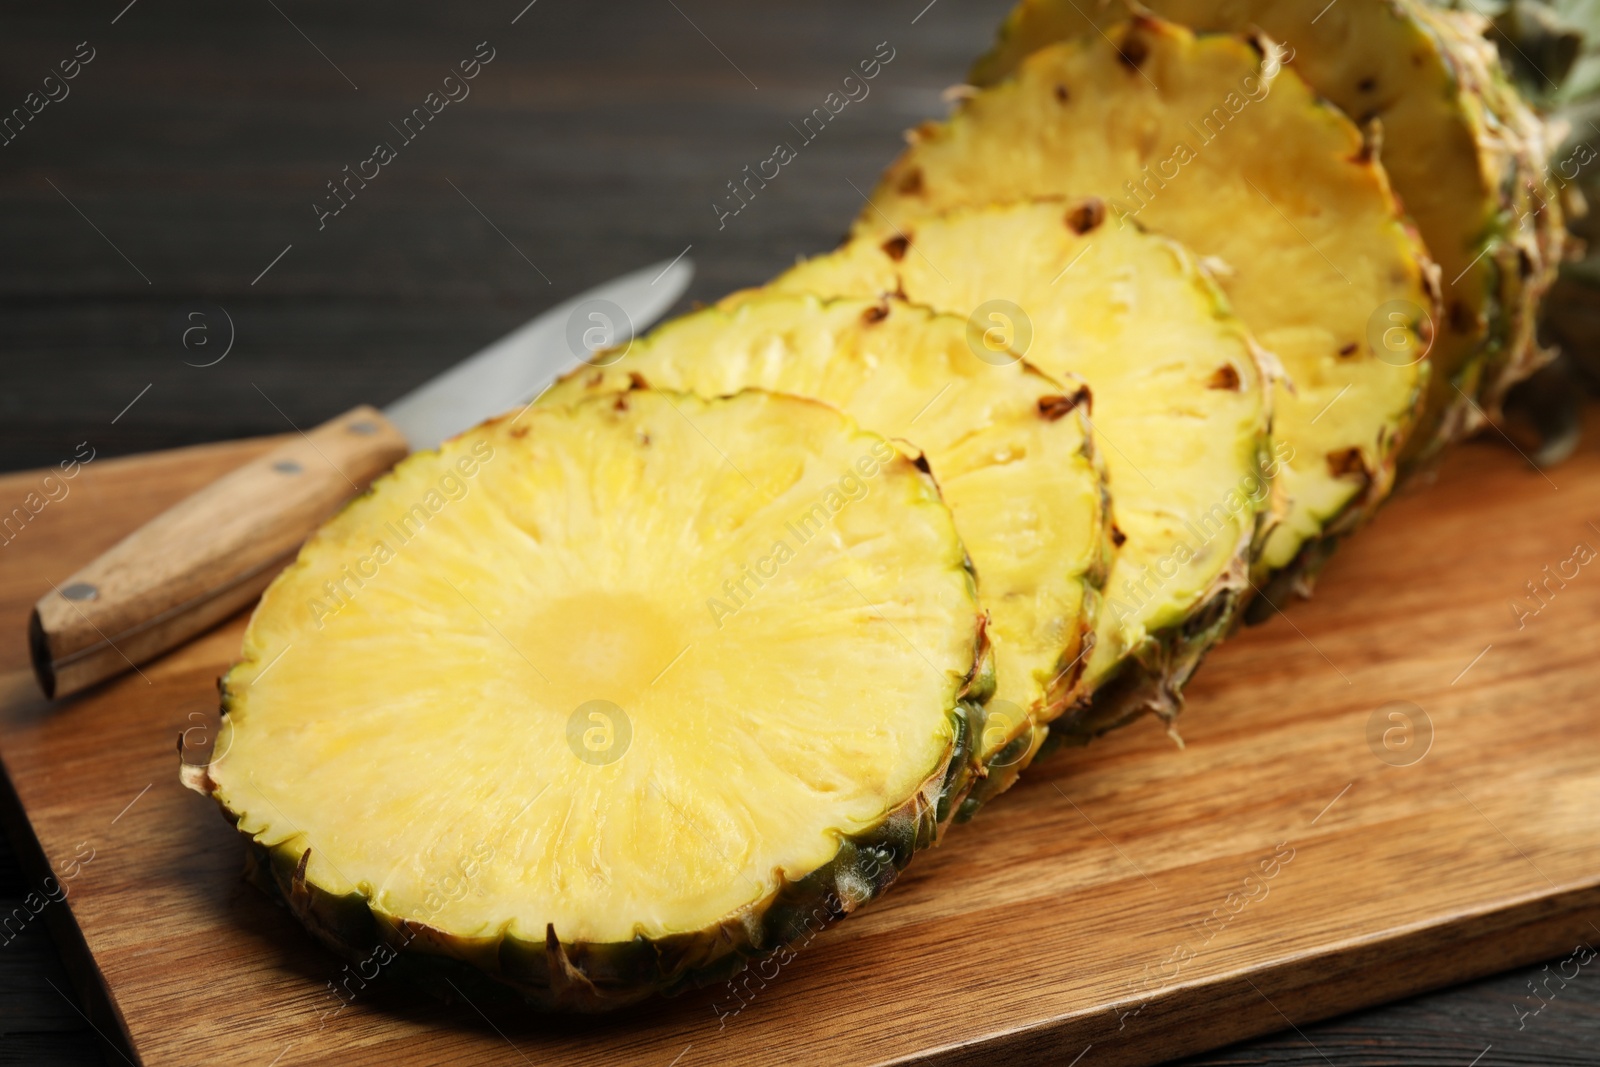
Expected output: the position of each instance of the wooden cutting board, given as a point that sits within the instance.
(1128, 902)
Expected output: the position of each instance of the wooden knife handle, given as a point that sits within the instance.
(206, 557)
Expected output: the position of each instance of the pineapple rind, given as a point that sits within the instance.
(1529, 238)
(580, 976)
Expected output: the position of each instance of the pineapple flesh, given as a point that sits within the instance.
(487, 719)
(1210, 141)
(1181, 412)
(1009, 446)
(1464, 153)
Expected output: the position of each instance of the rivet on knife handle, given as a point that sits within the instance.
(206, 557)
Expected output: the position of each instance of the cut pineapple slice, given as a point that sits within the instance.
(1008, 445)
(1202, 140)
(1180, 411)
(487, 714)
(1465, 155)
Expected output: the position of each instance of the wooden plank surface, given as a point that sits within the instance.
(1103, 902)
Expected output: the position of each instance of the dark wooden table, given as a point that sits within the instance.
(177, 173)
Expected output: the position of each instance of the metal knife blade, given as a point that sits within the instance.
(211, 553)
(521, 364)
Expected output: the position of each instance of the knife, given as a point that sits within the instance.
(206, 557)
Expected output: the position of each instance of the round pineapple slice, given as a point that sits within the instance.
(487, 716)
(1181, 412)
(1464, 152)
(1009, 447)
(1207, 141)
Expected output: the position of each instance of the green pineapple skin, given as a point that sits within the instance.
(1561, 39)
(1142, 686)
(1529, 240)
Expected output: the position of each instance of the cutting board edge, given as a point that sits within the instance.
(95, 999)
(1539, 925)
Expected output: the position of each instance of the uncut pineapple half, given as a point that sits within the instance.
(1009, 445)
(1181, 412)
(1210, 141)
(1463, 150)
(1533, 224)
(1553, 51)
(485, 730)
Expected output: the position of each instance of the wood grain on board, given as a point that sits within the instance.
(1291, 862)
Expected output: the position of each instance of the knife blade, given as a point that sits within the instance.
(212, 553)
(520, 364)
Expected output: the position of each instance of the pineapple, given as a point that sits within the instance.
(490, 720)
(1529, 239)
(1009, 446)
(1209, 141)
(1552, 51)
(1181, 413)
(1570, 317)
(1464, 153)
